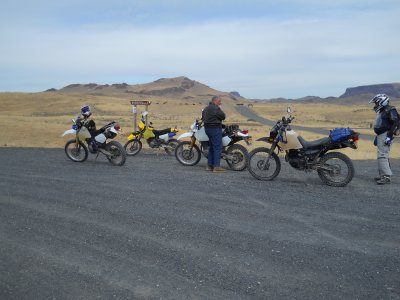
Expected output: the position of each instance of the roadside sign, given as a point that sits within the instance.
(140, 102)
(134, 110)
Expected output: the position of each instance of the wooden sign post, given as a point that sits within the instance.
(134, 110)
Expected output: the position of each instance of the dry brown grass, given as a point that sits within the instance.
(39, 119)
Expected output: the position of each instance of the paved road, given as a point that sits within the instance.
(248, 113)
(156, 229)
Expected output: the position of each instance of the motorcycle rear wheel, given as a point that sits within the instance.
(77, 153)
(256, 164)
(133, 147)
(118, 154)
(240, 157)
(336, 169)
(187, 155)
(171, 146)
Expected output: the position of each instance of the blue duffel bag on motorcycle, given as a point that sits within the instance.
(340, 134)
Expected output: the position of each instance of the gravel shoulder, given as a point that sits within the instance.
(156, 229)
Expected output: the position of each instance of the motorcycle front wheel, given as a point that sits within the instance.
(336, 169)
(259, 168)
(238, 157)
(186, 154)
(133, 147)
(76, 152)
(117, 155)
(171, 146)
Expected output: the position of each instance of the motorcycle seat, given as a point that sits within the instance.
(161, 132)
(313, 144)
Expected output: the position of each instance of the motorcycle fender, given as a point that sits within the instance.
(263, 139)
(351, 145)
(131, 137)
(70, 131)
(242, 134)
(185, 135)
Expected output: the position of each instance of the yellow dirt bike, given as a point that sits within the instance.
(156, 139)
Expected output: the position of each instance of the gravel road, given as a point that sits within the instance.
(155, 229)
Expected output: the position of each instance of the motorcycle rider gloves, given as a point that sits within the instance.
(388, 141)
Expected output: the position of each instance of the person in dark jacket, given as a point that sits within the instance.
(384, 127)
(212, 117)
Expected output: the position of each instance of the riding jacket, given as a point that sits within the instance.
(386, 121)
(213, 116)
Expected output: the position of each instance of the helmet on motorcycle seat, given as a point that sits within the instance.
(380, 101)
(145, 113)
(86, 111)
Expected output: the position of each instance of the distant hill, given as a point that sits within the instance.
(177, 88)
(390, 89)
(352, 95)
(183, 88)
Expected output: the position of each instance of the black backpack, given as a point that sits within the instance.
(397, 122)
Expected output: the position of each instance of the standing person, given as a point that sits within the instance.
(384, 127)
(212, 117)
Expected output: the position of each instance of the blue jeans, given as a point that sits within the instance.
(215, 149)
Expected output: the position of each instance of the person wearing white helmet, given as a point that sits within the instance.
(384, 127)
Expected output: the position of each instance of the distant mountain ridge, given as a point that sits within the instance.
(390, 89)
(184, 88)
(177, 88)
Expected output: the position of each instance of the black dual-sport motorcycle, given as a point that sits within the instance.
(333, 168)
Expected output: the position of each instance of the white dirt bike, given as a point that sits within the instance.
(188, 153)
(78, 148)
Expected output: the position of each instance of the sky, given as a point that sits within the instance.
(262, 49)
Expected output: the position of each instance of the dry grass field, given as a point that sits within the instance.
(39, 119)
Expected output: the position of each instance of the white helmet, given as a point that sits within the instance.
(145, 113)
(380, 101)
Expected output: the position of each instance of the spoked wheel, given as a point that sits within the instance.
(171, 146)
(186, 154)
(238, 157)
(262, 169)
(76, 152)
(133, 147)
(118, 154)
(336, 169)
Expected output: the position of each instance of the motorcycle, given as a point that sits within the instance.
(154, 138)
(188, 153)
(78, 148)
(333, 168)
